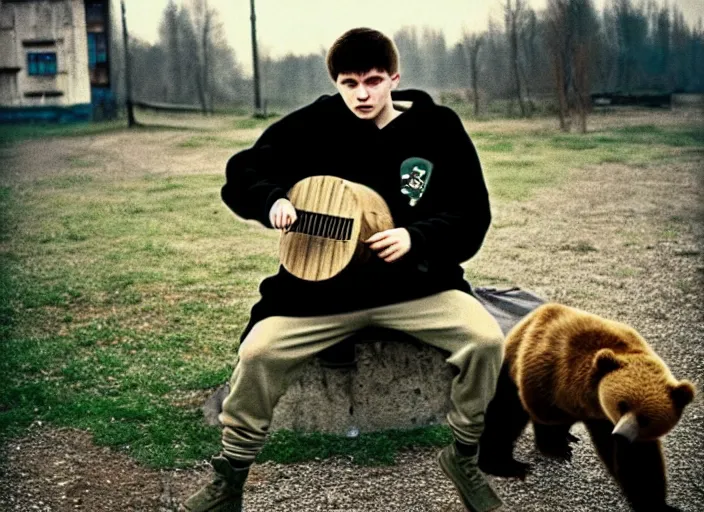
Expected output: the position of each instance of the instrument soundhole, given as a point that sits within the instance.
(322, 225)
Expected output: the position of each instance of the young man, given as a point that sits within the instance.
(421, 161)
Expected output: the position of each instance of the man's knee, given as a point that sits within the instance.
(490, 342)
(255, 350)
(494, 344)
(260, 344)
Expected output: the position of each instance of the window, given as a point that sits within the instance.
(97, 49)
(98, 58)
(94, 13)
(41, 63)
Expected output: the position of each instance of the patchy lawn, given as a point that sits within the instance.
(125, 282)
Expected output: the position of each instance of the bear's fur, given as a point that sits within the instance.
(562, 365)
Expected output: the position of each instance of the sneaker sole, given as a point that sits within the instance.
(459, 492)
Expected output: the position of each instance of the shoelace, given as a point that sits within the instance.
(471, 470)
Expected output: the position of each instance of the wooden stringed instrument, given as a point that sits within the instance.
(334, 217)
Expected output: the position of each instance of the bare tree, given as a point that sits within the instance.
(514, 11)
(556, 36)
(572, 27)
(632, 30)
(580, 57)
(458, 69)
(474, 43)
(662, 47)
(567, 50)
(529, 44)
(202, 22)
(169, 36)
(584, 28)
(188, 54)
(226, 82)
(413, 70)
(434, 51)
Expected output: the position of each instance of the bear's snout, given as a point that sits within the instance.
(627, 427)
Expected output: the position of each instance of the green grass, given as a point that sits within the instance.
(122, 298)
(497, 147)
(500, 109)
(518, 165)
(638, 135)
(199, 141)
(113, 297)
(11, 133)
(247, 123)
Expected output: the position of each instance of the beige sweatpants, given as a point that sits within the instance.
(276, 349)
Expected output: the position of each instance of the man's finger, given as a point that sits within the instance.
(376, 237)
(388, 251)
(383, 244)
(394, 256)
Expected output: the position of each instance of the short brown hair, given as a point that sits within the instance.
(360, 50)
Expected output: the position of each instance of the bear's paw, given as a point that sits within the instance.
(557, 446)
(506, 467)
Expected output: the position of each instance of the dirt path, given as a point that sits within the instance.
(619, 241)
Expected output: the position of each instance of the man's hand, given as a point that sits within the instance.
(282, 214)
(391, 244)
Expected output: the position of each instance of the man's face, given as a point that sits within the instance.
(367, 94)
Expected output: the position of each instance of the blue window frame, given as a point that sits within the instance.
(97, 49)
(41, 63)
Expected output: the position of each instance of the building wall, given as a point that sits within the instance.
(43, 26)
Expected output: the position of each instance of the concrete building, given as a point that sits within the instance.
(54, 61)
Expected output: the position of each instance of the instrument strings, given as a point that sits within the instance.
(322, 225)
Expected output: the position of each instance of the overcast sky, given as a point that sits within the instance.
(305, 26)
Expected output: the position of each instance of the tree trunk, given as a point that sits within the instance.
(475, 44)
(557, 45)
(558, 70)
(206, 69)
(581, 83)
(516, 74)
(511, 17)
(475, 90)
(529, 99)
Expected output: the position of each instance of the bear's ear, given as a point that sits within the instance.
(606, 361)
(682, 394)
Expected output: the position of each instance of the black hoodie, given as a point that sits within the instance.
(447, 225)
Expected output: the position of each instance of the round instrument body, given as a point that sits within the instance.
(335, 216)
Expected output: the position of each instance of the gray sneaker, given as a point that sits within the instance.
(472, 487)
(224, 493)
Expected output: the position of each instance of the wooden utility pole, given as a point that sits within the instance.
(128, 81)
(255, 62)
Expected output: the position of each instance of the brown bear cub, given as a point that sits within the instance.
(563, 365)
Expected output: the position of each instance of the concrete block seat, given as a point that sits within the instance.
(377, 379)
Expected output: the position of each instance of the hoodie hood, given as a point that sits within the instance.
(419, 98)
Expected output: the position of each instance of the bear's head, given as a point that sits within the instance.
(639, 395)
